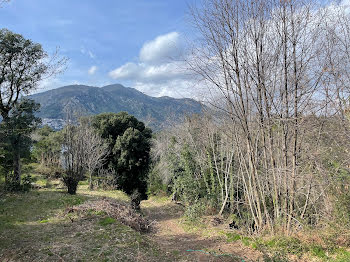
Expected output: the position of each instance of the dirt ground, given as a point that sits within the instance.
(171, 237)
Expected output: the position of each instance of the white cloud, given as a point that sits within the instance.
(147, 73)
(92, 70)
(126, 72)
(159, 70)
(162, 48)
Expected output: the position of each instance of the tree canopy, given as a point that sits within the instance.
(129, 144)
(22, 67)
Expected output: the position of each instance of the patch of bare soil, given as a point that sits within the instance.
(172, 238)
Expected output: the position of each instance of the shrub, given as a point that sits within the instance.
(194, 211)
(155, 184)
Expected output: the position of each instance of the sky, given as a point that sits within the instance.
(136, 43)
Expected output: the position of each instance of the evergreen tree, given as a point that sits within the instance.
(129, 142)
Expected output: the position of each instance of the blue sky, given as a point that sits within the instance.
(107, 41)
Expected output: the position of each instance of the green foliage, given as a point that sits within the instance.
(12, 186)
(342, 255)
(27, 181)
(129, 143)
(107, 221)
(194, 211)
(16, 142)
(318, 251)
(47, 148)
(193, 168)
(47, 151)
(277, 249)
(232, 237)
(73, 201)
(186, 184)
(290, 245)
(22, 67)
(155, 185)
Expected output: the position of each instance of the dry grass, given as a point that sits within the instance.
(119, 211)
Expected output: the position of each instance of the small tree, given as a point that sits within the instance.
(84, 151)
(95, 149)
(73, 158)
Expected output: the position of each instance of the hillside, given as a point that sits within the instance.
(89, 100)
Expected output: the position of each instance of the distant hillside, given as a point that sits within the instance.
(89, 100)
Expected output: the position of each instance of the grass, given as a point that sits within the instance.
(280, 248)
(34, 226)
(107, 221)
(276, 248)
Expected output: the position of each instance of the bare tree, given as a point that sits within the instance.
(266, 63)
(73, 158)
(84, 151)
(95, 149)
(3, 1)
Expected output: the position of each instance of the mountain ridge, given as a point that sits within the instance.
(91, 100)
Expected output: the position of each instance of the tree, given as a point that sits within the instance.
(271, 66)
(16, 141)
(129, 142)
(3, 1)
(22, 67)
(73, 158)
(83, 151)
(96, 150)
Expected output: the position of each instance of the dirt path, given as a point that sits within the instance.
(172, 238)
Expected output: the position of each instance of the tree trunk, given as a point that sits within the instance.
(72, 185)
(91, 187)
(16, 168)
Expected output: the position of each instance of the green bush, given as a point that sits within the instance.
(194, 211)
(27, 181)
(24, 186)
(155, 184)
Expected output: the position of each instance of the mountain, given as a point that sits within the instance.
(89, 100)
